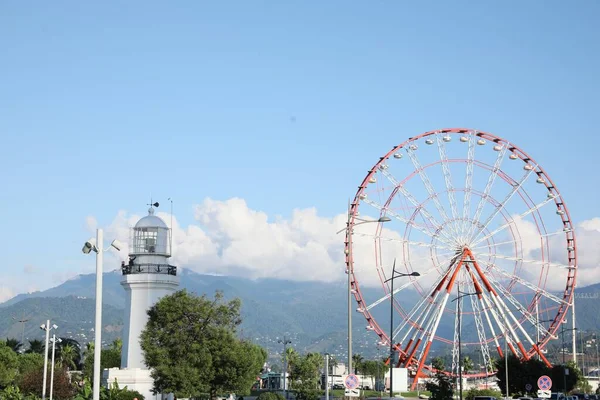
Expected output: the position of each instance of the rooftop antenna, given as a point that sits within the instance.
(171, 238)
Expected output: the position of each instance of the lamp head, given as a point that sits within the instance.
(54, 326)
(415, 273)
(384, 219)
(117, 245)
(43, 327)
(89, 246)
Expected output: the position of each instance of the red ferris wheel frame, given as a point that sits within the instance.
(407, 350)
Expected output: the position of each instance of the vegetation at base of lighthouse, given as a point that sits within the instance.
(190, 343)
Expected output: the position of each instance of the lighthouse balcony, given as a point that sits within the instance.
(149, 269)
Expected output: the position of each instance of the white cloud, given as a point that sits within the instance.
(230, 238)
(6, 293)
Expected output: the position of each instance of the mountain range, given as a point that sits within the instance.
(312, 314)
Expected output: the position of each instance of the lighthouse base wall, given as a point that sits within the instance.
(143, 291)
(135, 379)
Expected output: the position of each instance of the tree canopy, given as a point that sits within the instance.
(191, 345)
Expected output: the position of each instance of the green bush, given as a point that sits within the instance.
(471, 393)
(270, 396)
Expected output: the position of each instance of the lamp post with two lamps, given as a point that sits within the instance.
(54, 340)
(97, 247)
(46, 327)
(394, 276)
(458, 310)
(348, 266)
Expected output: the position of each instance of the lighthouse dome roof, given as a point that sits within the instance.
(151, 221)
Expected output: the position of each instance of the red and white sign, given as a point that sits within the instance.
(544, 382)
(351, 381)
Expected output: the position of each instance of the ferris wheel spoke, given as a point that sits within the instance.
(447, 175)
(527, 261)
(518, 306)
(468, 187)
(536, 289)
(406, 221)
(485, 246)
(512, 221)
(409, 242)
(420, 207)
(518, 324)
(475, 302)
(488, 188)
(502, 204)
(407, 284)
(429, 187)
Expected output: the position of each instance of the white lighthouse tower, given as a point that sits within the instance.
(147, 277)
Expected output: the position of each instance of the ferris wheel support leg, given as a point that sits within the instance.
(421, 364)
(412, 353)
(544, 359)
(404, 354)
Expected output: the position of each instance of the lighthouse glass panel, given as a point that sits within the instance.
(150, 240)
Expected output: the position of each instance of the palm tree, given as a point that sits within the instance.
(67, 356)
(36, 346)
(357, 360)
(14, 344)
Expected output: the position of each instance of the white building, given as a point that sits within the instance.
(146, 278)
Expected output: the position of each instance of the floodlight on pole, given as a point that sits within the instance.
(97, 247)
(54, 340)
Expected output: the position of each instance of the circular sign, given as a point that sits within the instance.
(544, 382)
(351, 381)
(528, 387)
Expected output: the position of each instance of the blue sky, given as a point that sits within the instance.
(285, 104)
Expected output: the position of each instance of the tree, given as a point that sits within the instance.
(109, 358)
(357, 360)
(372, 368)
(441, 385)
(9, 365)
(29, 362)
(304, 376)
(36, 346)
(14, 344)
(191, 346)
(68, 352)
(32, 383)
(467, 364)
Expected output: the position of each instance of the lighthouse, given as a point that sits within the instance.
(147, 276)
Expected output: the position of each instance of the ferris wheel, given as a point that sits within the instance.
(489, 236)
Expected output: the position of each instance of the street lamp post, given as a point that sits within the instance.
(458, 298)
(97, 248)
(46, 327)
(326, 376)
(348, 266)
(285, 342)
(394, 276)
(562, 348)
(54, 340)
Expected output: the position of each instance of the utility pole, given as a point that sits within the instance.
(22, 322)
(285, 342)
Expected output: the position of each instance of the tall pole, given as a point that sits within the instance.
(597, 360)
(563, 358)
(46, 360)
(392, 332)
(506, 359)
(537, 327)
(98, 325)
(285, 342)
(326, 376)
(52, 367)
(348, 239)
(460, 381)
(574, 332)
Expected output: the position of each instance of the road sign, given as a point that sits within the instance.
(352, 393)
(544, 394)
(544, 382)
(351, 381)
(528, 387)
